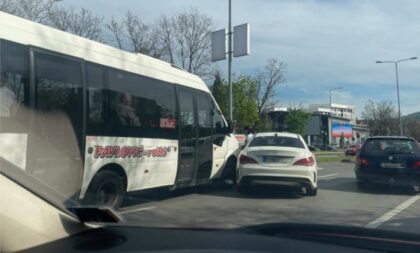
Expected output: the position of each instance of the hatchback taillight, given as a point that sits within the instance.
(246, 159)
(417, 165)
(362, 161)
(308, 161)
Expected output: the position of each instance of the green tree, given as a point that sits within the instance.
(296, 120)
(219, 92)
(245, 109)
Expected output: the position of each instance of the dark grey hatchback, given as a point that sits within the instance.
(388, 160)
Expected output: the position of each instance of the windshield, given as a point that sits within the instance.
(276, 141)
(388, 146)
(160, 110)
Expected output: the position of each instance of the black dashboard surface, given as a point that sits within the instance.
(137, 239)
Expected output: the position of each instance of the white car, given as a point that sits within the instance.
(277, 159)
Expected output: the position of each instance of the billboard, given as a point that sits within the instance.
(339, 129)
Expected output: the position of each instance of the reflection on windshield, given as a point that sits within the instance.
(133, 113)
(54, 158)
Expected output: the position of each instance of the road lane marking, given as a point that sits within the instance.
(319, 168)
(396, 210)
(328, 175)
(138, 209)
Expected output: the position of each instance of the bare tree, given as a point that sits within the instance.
(412, 128)
(35, 10)
(133, 35)
(7, 6)
(117, 32)
(139, 34)
(165, 37)
(78, 21)
(185, 40)
(81, 21)
(268, 80)
(381, 118)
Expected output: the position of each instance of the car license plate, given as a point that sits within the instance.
(275, 159)
(393, 165)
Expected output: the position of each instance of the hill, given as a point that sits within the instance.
(415, 115)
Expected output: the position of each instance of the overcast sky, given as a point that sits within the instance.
(325, 43)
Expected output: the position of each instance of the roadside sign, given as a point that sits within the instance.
(218, 45)
(241, 40)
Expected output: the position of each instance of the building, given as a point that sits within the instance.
(324, 128)
(336, 110)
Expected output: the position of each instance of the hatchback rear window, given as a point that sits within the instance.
(276, 141)
(394, 146)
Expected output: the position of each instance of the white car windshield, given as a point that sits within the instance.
(276, 141)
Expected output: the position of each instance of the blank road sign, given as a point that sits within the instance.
(241, 40)
(218, 45)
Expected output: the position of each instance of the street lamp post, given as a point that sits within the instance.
(330, 118)
(398, 87)
(331, 89)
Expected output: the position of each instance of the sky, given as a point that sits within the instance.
(324, 44)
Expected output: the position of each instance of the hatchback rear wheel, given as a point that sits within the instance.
(362, 185)
(311, 191)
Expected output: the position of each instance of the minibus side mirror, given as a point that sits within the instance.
(229, 128)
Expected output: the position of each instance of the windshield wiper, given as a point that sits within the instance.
(96, 214)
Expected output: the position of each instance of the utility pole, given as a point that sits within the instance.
(398, 96)
(235, 47)
(230, 63)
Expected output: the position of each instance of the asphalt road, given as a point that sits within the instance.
(338, 202)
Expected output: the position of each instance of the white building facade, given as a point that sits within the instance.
(336, 110)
